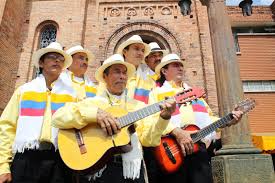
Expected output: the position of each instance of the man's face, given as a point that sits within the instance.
(79, 65)
(52, 64)
(116, 79)
(173, 72)
(153, 59)
(134, 54)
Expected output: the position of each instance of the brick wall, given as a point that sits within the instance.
(67, 15)
(10, 26)
(260, 15)
(273, 9)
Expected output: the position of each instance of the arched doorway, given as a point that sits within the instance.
(147, 37)
(150, 32)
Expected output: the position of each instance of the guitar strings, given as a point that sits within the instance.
(175, 148)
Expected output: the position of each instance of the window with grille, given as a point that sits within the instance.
(259, 86)
(47, 35)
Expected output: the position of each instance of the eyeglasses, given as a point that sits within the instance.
(55, 57)
(83, 58)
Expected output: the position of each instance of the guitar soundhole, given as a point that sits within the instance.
(169, 153)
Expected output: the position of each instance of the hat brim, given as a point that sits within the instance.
(127, 43)
(99, 73)
(161, 65)
(38, 54)
(90, 56)
(164, 52)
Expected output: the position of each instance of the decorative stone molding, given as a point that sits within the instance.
(148, 11)
(166, 11)
(131, 12)
(160, 8)
(115, 12)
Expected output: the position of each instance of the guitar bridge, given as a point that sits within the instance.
(169, 153)
(80, 142)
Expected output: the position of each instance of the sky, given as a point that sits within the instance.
(255, 2)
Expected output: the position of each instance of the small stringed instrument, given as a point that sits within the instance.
(168, 154)
(90, 148)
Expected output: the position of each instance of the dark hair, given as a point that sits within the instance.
(42, 58)
(126, 48)
(162, 78)
(106, 71)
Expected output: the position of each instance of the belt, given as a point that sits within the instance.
(44, 146)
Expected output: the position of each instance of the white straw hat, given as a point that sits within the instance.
(132, 40)
(170, 58)
(80, 49)
(156, 48)
(52, 47)
(114, 59)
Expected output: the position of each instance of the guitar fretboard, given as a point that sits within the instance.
(132, 117)
(212, 127)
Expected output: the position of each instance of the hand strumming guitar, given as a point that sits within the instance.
(183, 138)
(107, 122)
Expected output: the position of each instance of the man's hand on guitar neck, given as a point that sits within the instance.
(167, 109)
(237, 115)
(184, 139)
(107, 122)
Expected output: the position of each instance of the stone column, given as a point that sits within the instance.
(238, 161)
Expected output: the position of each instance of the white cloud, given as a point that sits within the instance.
(255, 2)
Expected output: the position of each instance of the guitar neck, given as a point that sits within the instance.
(132, 117)
(211, 128)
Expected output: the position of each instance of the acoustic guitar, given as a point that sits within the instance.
(169, 155)
(90, 148)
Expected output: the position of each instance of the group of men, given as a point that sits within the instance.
(63, 97)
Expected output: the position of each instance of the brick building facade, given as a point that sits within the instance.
(101, 25)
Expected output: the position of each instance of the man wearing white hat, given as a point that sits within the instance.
(126, 167)
(25, 125)
(82, 58)
(154, 58)
(196, 167)
(134, 51)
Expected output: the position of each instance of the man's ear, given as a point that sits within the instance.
(124, 52)
(41, 63)
(163, 71)
(146, 59)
